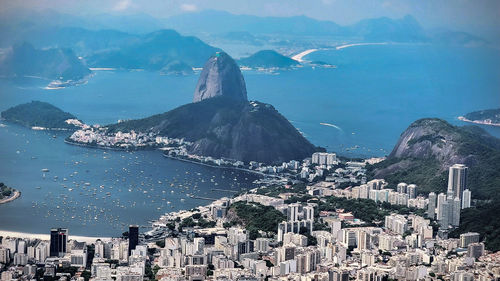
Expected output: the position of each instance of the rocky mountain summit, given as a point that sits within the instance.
(221, 76)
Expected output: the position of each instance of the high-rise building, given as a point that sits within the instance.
(431, 207)
(468, 238)
(133, 238)
(402, 187)
(444, 213)
(475, 250)
(293, 212)
(466, 199)
(412, 191)
(58, 241)
(457, 180)
(308, 212)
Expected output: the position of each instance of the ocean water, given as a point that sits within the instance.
(358, 109)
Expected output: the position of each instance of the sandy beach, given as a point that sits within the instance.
(87, 239)
(299, 57)
(11, 198)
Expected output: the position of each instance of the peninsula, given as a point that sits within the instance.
(484, 117)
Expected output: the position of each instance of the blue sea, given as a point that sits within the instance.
(358, 109)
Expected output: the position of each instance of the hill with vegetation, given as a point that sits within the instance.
(254, 217)
(429, 147)
(491, 116)
(423, 155)
(5, 191)
(268, 59)
(38, 114)
(23, 60)
(222, 127)
(483, 220)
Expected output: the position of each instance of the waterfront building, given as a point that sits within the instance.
(58, 242)
(133, 238)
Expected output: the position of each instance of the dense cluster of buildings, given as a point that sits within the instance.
(99, 136)
(401, 247)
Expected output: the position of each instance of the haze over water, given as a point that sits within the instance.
(373, 95)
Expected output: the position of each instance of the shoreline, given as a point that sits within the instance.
(221, 167)
(46, 237)
(478, 122)
(16, 195)
(299, 57)
(358, 44)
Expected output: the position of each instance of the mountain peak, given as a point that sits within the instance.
(221, 77)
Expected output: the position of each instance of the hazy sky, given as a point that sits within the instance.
(470, 15)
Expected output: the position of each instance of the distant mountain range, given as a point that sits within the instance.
(51, 28)
(60, 64)
(154, 51)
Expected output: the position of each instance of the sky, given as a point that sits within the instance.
(476, 16)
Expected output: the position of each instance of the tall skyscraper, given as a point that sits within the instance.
(431, 207)
(466, 199)
(133, 237)
(457, 180)
(58, 241)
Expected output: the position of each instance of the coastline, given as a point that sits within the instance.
(88, 239)
(16, 195)
(478, 122)
(299, 57)
(220, 167)
(172, 157)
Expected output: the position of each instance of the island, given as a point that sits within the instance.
(59, 65)
(8, 194)
(40, 115)
(484, 117)
(268, 59)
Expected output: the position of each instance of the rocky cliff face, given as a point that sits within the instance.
(428, 147)
(221, 77)
(431, 139)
